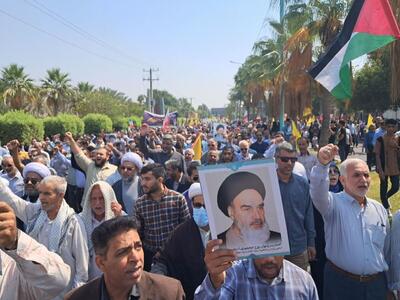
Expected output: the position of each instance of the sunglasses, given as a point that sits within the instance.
(286, 159)
(198, 205)
(243, 149)
(31, 180)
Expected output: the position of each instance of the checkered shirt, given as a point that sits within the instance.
(158, 218)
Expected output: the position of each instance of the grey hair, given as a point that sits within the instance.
(350, 161)
(284, 146)
(59, 182)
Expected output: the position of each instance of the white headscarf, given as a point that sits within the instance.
(87, 215)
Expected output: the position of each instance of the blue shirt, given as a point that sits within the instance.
(378, 133)
(299, 216)
(356, 237)
(243, 282)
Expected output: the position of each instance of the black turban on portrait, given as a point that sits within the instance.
(236, 183)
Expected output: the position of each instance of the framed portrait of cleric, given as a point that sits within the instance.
(244, 207)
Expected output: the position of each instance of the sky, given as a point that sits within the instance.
(191, 43)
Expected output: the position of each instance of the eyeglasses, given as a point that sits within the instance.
(244, 149)
(286, 159)
(31, 180)
(127, 168)
(198, 205)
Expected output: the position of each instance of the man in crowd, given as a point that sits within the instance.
(33, 174)
(212, 146)
(128, 188)
(12, 175)
(166, 152)
(158, 203)
(297, 206)
(96, 170)
(261, 278)
(260, 145)
(176, 178)
(356, 231)
(212, 157)
(54, 224)
(119, 254)
(387, 150)
(244, 150)
(27, 270)
(305, 158)
(187, 263)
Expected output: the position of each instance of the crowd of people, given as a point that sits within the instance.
(122, 215)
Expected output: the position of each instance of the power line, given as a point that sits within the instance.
(72, 44)
(55, 16)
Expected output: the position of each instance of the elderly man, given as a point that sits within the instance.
(119, 254)
(212, 145)
(249, 226)
(244, 151)
(96, 170)
(297, 206)
(356, 230)
(12, 175)
(54, 224)
(33, 174)
(27, 269)
(158, 203)
(261, 278)
(159, 155)
(128, 189)
(187, 263)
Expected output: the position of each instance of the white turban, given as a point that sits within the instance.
(133, 158)
(195, 190)
(38, 168)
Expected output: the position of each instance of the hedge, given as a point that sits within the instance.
(63, 123)
(120, 123)
(96, 123)
(137, 120)
(20, 125)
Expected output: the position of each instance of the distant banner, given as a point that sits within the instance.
(157, 120)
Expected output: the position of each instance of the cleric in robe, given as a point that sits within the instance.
(241, 198)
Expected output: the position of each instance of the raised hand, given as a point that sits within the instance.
(13, 146)
(8, 228)
(327, 153)
(68, 137)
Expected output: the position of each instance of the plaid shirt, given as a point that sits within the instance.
(243, 282)
(158, 218)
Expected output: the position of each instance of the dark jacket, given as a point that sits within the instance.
(117, 187)
(184, 184)
(151, 287)
(183, 255)
(158, 155)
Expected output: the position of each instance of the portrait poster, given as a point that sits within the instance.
(244, 207)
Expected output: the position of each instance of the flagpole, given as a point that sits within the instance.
(282, 89)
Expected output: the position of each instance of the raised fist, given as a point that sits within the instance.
(327, 153)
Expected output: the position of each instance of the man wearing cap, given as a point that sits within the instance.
(241, 198)
(54, 224)
(159, 155)
(187, 263)
(128, 188)
(96, 170)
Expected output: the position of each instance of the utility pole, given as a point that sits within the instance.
(150, 100)
(282, 87)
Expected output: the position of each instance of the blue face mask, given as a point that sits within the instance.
(200, 216)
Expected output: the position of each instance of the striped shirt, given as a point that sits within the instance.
(158, 218)
(243, 282)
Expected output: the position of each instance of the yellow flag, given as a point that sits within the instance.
(307, 111)
(370, 120)
(295, 132)
(197, 148)
(310, 120)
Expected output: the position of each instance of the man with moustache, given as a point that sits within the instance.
(96, 170)
(119, 255)
(54, 224)
(356, 231)
(12, 175)
(158, 211)
(241, 198)
(262, 278)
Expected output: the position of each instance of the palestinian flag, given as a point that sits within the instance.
(369, 25)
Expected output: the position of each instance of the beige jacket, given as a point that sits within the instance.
(32, 272)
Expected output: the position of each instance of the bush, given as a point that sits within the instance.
(136, 120)
(96, 123)
(120, 123)
(20, 125)
(63, 123)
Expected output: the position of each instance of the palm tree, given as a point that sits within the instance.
(84, 87)
(57, 93)
(17, 87)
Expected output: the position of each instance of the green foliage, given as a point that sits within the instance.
(63, 123)
(120, 123)
(96, 123)
(137, 120)
(372, 85)
(20, 125)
